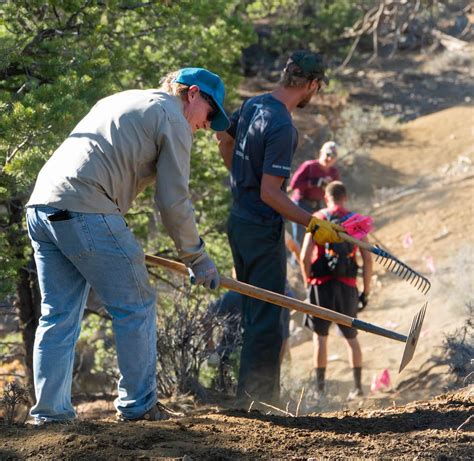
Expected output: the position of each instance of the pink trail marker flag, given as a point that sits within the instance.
(407, 240)
(358, 226)
(383, 380)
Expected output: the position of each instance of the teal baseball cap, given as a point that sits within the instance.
(213, 86)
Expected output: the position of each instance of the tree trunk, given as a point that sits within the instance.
(27, 289)
(29, 312)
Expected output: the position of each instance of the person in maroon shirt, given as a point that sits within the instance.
(309, 181)
(330, 272)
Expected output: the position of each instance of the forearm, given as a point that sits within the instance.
(179, 221)
(367, 271)
(305, 258)
(226, 148)
(280, 202)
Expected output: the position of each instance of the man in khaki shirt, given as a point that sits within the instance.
(75, 221)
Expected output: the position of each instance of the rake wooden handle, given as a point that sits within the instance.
(283, 301)
(260, 293)
(318, 311)
(354, 241)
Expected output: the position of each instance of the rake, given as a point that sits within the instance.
(392, 264)
(290, 303)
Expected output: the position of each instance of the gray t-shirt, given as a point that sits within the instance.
(126, 142)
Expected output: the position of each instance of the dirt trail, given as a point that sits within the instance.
(429, 210)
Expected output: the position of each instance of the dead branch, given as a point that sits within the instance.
(465, 423)
(363, 26)
(389, 20)
(184, 329)
(299, 402)
(285, 412)
(11, 156)
(449, 42)
(374, 29)
(466, 379)
(9, 358)
(15, 375)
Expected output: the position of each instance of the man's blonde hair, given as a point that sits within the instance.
(170, 86)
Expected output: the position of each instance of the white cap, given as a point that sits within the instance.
(329, 148)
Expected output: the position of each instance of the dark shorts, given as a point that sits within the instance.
(338, 297)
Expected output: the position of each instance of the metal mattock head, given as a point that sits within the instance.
(401, 269)
(412, 338)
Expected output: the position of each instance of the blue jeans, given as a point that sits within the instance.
(81, 251)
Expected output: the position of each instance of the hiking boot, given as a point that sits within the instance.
(158, 412)
(355, 394)
(41, 422)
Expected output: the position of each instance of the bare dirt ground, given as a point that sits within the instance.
(425, 430)
(416, 180)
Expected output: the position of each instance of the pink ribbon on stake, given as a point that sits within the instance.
(358, 226)
(383, 380)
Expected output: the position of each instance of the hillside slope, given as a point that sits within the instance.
(426, 219)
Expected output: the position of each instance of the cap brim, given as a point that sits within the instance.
(221, 122)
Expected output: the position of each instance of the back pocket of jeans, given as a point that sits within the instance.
(72, 236)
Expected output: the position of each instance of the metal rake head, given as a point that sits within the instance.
(412, 338)
(402, 270)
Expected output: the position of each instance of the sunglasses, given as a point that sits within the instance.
(214, 109)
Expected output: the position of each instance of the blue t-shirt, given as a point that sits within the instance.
(265, 141)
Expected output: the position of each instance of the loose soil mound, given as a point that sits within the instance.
(426, 428)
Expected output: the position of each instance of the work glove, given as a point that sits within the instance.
(363, 301)
(203, 271)
(324, 231)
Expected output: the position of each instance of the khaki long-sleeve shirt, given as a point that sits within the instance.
(126, 142)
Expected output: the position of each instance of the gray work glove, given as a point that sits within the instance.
(203, 271)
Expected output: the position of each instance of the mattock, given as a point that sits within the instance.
(317, 311)
(392, 264)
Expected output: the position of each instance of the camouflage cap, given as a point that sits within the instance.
(309, 64)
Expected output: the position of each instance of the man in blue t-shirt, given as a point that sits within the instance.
(258, 149)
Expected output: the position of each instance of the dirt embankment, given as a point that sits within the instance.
(427, 429)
